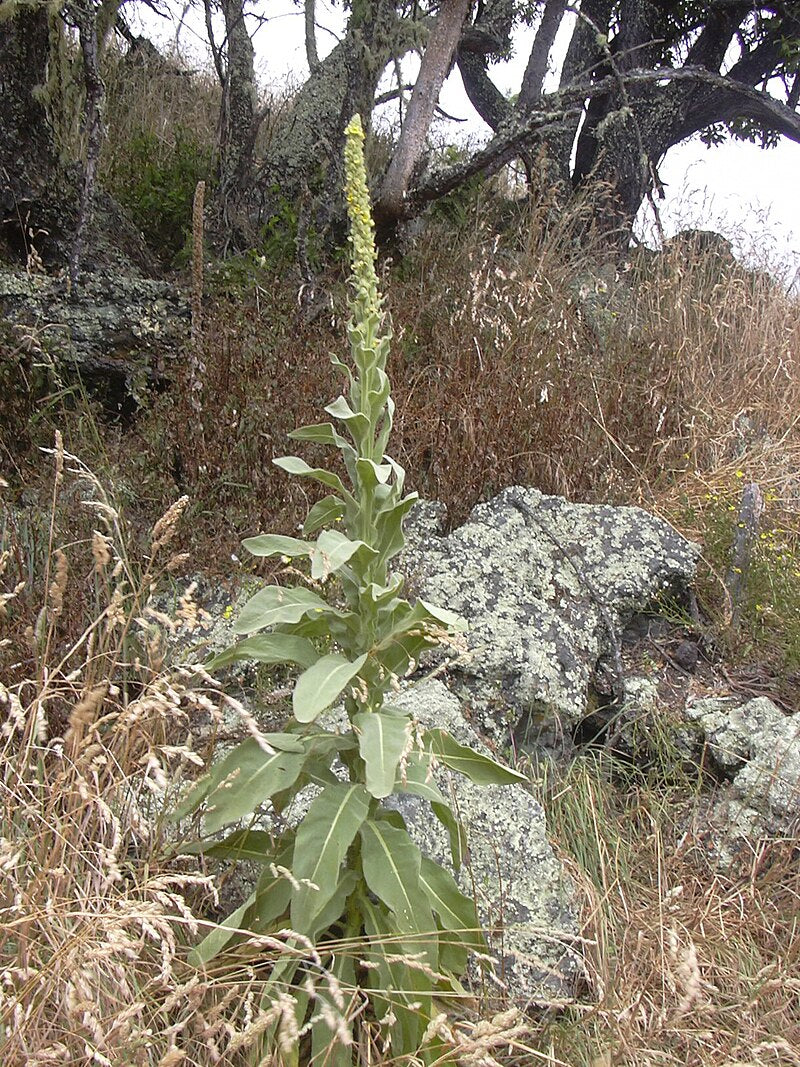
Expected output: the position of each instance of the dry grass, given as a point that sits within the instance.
(688, 966)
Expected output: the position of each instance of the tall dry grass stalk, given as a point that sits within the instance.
(95, 737)
(685, 965)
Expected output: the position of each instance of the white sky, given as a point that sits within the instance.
(750, 195)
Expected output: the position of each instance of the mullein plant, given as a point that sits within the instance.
(348, 873)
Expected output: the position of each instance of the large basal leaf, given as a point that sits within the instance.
(391, 865)
(276, 545)
(318, 687)
(267, 648)
(396, 990)
(267, 902)
(327, 1048)
(299, 467)
(480, 769)
(276, 605)
(245, 779)
(382, 740)
(216, 940)
(322, 841)
(324, 513)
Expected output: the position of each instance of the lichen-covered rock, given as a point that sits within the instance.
(117, 330)
(546, 591)
(757, 747)
(524, 897)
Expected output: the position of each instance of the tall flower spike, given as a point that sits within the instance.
(362, 231)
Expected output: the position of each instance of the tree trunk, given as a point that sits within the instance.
(238, 126)
(432, 73)
(37, 202)
(304, 158)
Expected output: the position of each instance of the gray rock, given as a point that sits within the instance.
(116, 329)
(546, 595)
(757, 748)
(524, 896)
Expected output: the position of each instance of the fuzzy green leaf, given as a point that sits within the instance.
(276, 545)
(320, 685)
(322, 433)
(325, 512)
(332, 551)
(299, 468)
(479, 769)
(322, 841)
(245, 778)
(267, 648)
(276, 605)
(382, 739)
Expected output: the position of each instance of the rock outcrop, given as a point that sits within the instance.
(756, 748)
(546, 587)
(117, 331)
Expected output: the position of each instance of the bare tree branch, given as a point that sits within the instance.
(433, 70)
(535, 71)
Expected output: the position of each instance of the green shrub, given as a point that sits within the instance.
(156, 183)
(348, 874)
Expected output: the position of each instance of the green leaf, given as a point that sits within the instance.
(448, 619)
(389, 526)
(323, 433)
(455, 830)
(391, 865)
(372, 474)
(269, 900)
(393, 985)
(299, 467)
(275, 545)
(382, 594)
(479, 769)
(245, 778)
(356, 422)
(267, 648)
(336, 906)
(333, 550)
(418, 779)
(324, 513)
(322, 841)
(275, 605)
(456, 912)
(382, 739)
(320, 685)
(326, 1048)
(255, 846)
(216, 940)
